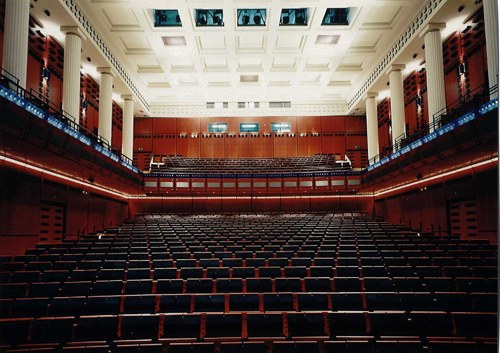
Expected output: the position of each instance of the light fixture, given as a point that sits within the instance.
(45, 73)
(462, 69)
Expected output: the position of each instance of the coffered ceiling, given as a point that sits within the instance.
(178, 70)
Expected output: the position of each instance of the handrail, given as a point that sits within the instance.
(57, 114)
(451, 112)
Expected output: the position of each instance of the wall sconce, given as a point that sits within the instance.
(45, 73)
(84, 104)
(303, 134)
(462, 69)
(419, 101)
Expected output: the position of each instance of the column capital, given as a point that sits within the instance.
(105, 70)
(75, 30)
(432, 27)
(127, 97)
(395, 67)
(370, 95)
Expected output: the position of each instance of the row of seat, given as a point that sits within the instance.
(248, 325)
(250, 285)
(93, 271)
(324, 280)
(359, 345)
(249, 302)
(373, 265)
(316, 163)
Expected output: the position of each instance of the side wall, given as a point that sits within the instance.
(23, 197)
(473, 200)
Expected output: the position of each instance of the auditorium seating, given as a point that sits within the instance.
(265, 283)
(261, 165)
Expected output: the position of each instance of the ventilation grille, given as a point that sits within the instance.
(280, 104)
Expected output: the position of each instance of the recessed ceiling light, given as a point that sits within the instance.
(249, 78)
(174, 40)
(327, 39)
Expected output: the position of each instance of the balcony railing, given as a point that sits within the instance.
(447, 119)
(43, 108)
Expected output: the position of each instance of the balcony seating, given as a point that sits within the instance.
(261, 165)
(265, 283)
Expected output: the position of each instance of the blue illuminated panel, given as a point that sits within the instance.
(31, 108)
(464, 119)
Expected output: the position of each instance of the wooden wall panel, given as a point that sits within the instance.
(23, 195)
(188, 146)
(166, 140)
(451, 87)
(477, 75)
(285, 146)
(308, 124)
(333, 123)
(237, 147)
(143, 126)
(237, 205)
(1, 48)
(261, 146)
(188, 126)
(92, 118)
(308, 145)
(55, 89)
(164, 125)
(116, 138)
(212, 147)
(34, 75)
(164, 144)
(411, 116)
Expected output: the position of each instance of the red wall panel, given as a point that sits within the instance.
(451, 87)
(166, 140)
(1, 48)
(164, 125)
(308, 145)
(143, 126)
(34, 75)
(55, 89)
(188, 126)
(188, 146)
(308, 124)
(164, 144)
(333, 123)
(261, 146)
(237, 205)
(237, 146)
(212, 147)
(23, 195)
(285, 146)
(476, 69)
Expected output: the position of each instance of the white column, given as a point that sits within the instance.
(105, 103)
(15, 40)
(434, 69)
(71, 80)
(490, 8)
(372, 124)
(128, 126)
(397, 101)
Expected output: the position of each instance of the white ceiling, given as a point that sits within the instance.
(242, 64)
